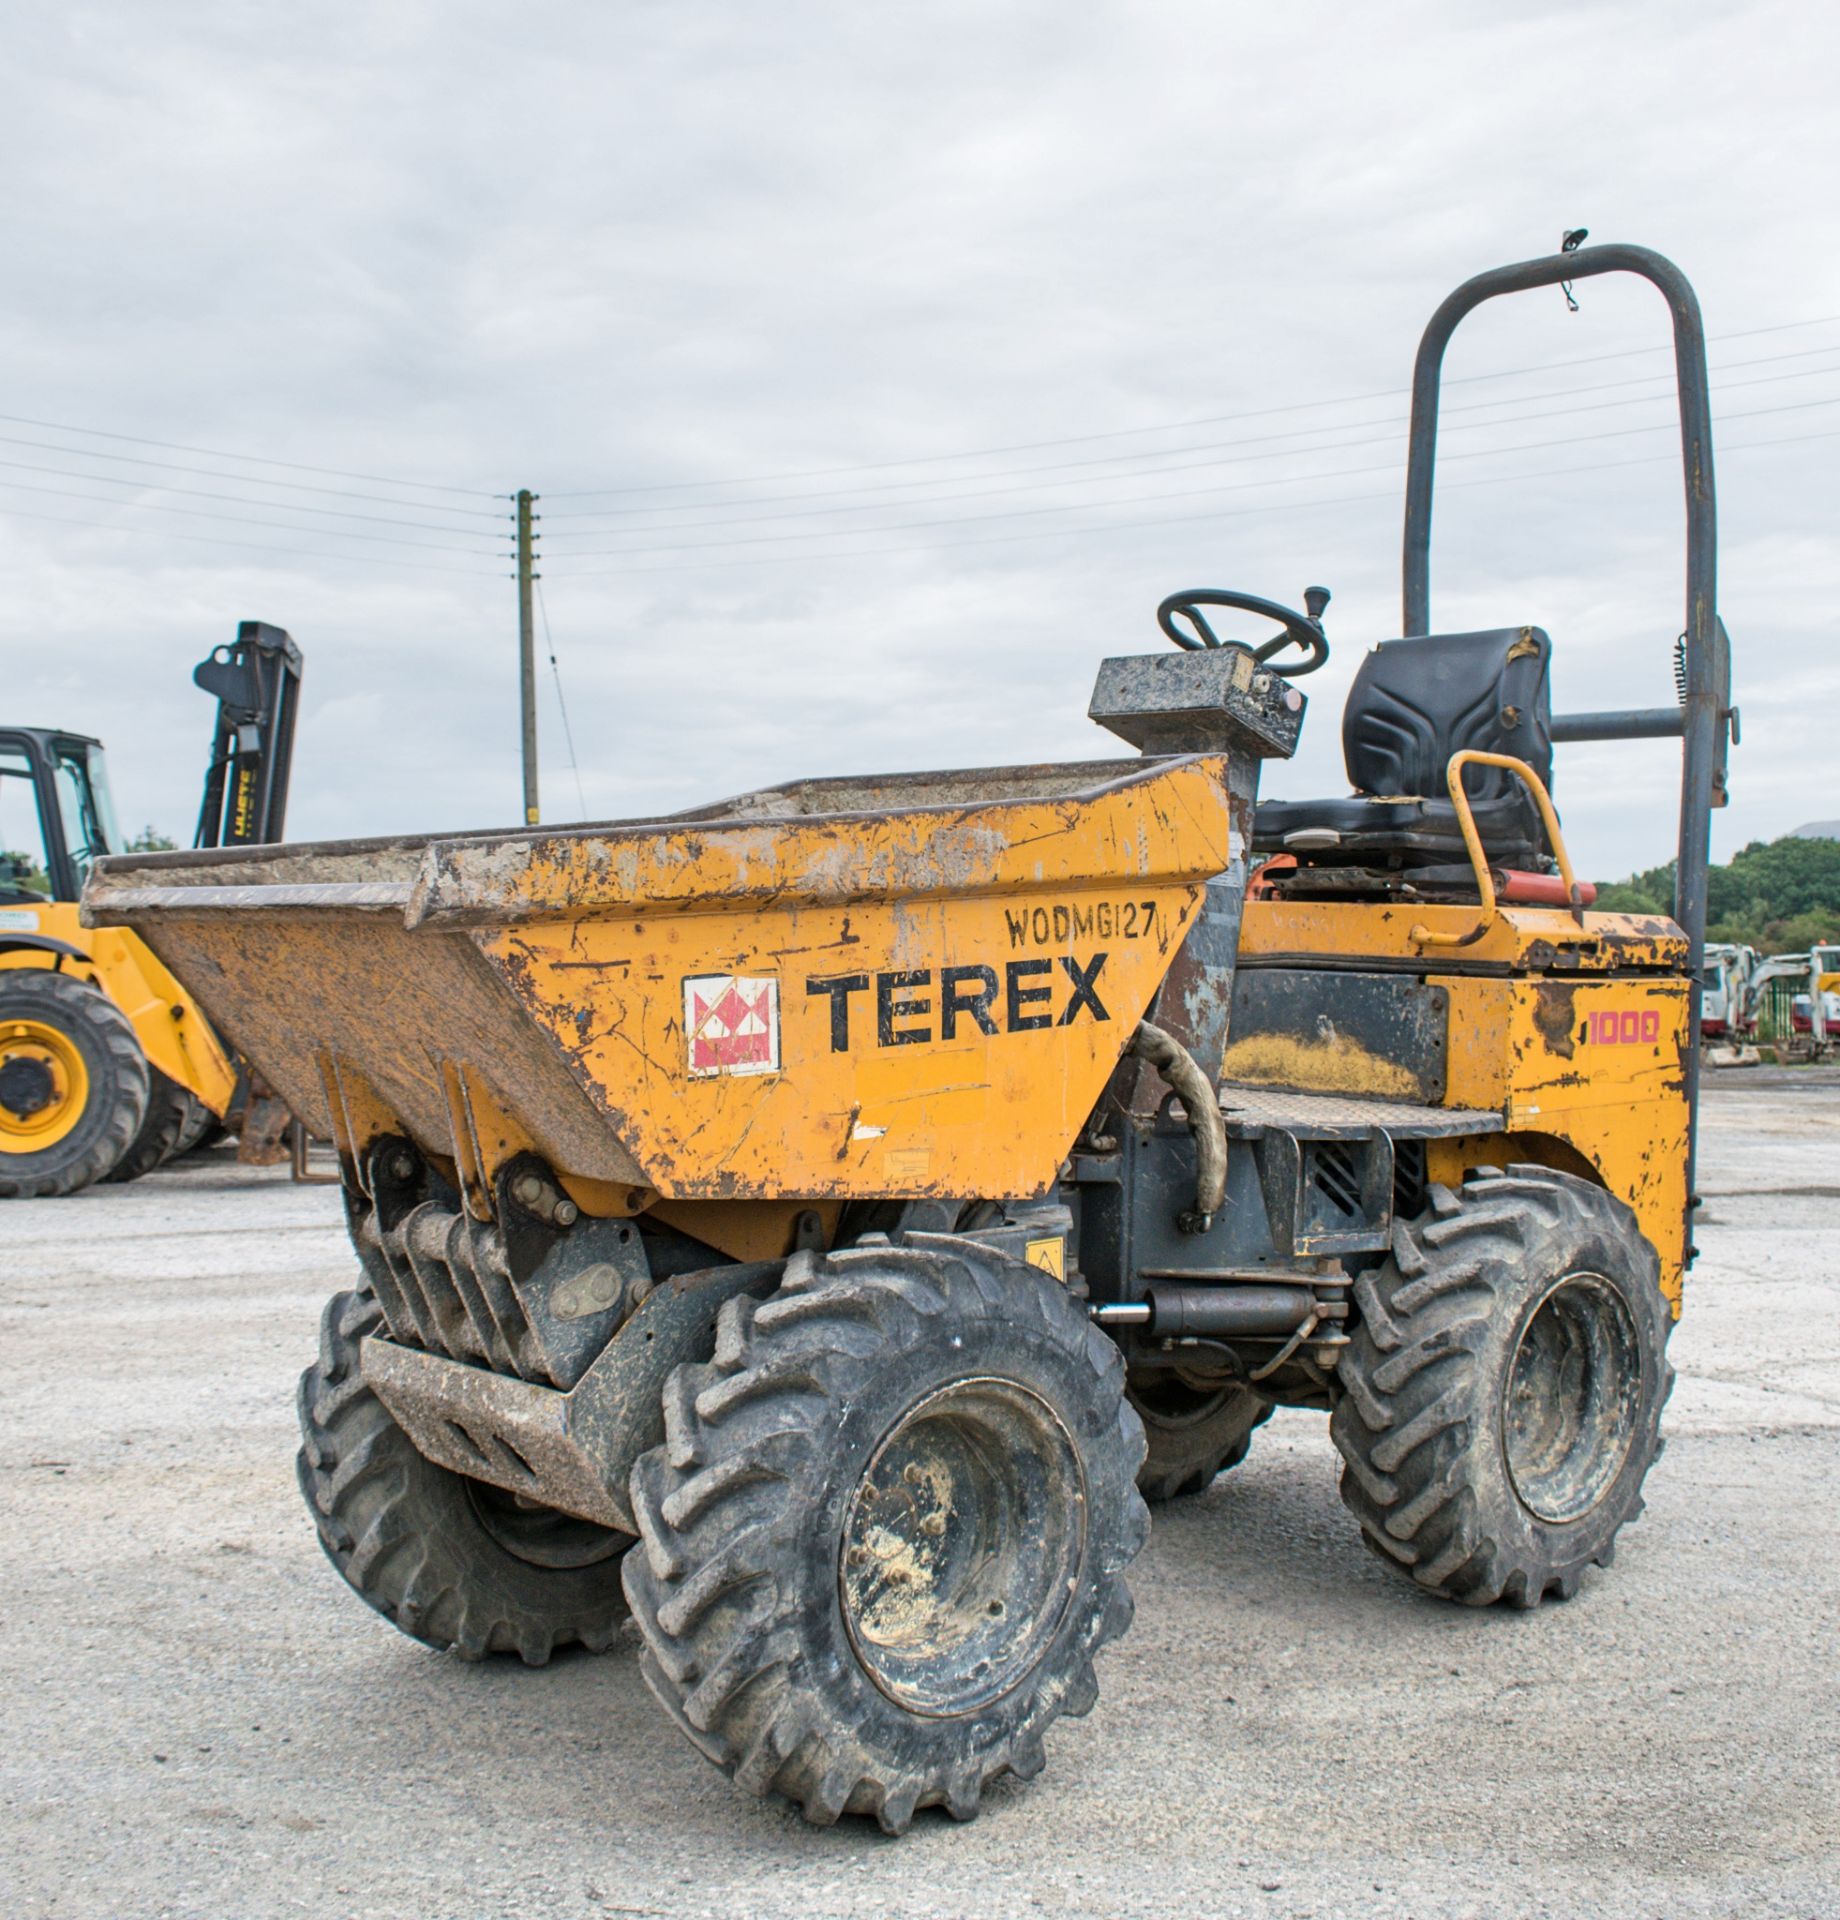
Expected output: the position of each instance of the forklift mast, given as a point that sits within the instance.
(256, 680)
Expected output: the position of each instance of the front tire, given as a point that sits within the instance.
(1502, 1392)
(73, 1084)
(454, 1563)
(887, 1531)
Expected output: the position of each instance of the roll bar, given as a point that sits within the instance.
(1704, 717)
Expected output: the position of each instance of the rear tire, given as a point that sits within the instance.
(887, 1531)
(195, 1128)
(64, 1041)
(1502, 1391)
(156, 1140)
(1194, 1432)
(454, 1563)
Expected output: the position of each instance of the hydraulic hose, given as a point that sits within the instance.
(1202, 1105)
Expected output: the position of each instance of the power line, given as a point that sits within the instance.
(238, 519)
(1188, 493)
(1186, 466)
(250, 459)
(1071, 507)
(244, 479)
(249, 546)
(1179, 426)
(568, 732)
(231, 499)
(1155, 453)
(1183, 520)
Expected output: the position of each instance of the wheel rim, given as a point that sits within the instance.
(962, 1547)
(42, 1068)
(541, 1536)
(1571, 1398)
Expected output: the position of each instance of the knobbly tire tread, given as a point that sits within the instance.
(403, 1533)
(156, 1140)
(1184, 1460)
(737, 1605)
(199, 1120)
(119, 1080)
(1416, 1420)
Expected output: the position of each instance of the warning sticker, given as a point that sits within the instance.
(731, 1024)
(18, 919)
(1049, 1255)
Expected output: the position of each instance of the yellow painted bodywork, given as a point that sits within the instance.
(938, 973)
(167, 1021)
(1527, 939)
(1576, 1034)
(894, 1091)
(906, 987)
(881, 1114)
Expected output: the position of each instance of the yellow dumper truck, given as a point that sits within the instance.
(809, 1225)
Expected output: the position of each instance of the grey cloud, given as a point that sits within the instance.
(603, 246)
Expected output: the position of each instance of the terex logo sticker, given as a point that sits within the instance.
(913, 1005)
(731, 1024)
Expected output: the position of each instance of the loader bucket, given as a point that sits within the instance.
(902, 986)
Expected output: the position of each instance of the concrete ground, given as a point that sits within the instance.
(196, 1718)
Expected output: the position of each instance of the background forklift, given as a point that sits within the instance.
(107, 1066)
(781, 1221)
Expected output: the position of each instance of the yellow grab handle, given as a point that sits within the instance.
(1424, 936)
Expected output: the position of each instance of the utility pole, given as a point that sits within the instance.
(527, 648)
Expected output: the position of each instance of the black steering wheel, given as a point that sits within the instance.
(1303, 630)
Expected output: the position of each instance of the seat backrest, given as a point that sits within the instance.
(1416, 702)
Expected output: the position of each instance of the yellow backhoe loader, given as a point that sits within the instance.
(107, 1065)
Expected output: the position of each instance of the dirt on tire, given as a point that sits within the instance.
(746, 1589)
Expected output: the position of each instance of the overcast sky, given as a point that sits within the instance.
(921, 258)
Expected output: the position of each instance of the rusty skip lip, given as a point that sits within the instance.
(107, 903)
(914, 846)
(934, 849)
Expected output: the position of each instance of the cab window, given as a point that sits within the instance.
(25, 872)
(83, 799)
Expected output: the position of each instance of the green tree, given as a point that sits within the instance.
(20, 872)
(150, 840)
(1630, 896)
(1779, 895)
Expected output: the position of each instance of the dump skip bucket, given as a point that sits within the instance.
(892, 986)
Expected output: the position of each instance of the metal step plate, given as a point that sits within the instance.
(1325, 1116)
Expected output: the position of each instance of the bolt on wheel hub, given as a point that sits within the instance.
(963, 1546)
(44, 1085)
(1570, 1400)
(538, 1535)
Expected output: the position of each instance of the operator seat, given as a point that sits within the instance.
(1414, 703)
